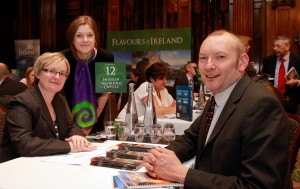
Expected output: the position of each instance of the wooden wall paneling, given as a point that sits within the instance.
(184, 13)
(29, 19)
(258, 29)
(283, 21)
(270, 32)
(48, 25)
(295, 26)
(242, 20)
(8, 31)
(113, 15)
(99, 10)
(66, 11)
(126, 10)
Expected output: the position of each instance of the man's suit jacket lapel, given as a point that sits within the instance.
(43, 108)
(292, 62)
(272, 65)
(229, 107)
(185, 80)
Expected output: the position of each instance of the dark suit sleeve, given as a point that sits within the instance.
(251, 151)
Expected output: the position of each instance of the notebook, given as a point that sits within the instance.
(143, 180)
(292, 74)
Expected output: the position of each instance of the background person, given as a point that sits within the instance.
(234, 152)
(29, 77)
(8, 86)
(190, 74)
(271, 65)
(79, 89)
(39, 120)
(164, 103)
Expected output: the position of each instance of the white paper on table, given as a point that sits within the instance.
(80, 158)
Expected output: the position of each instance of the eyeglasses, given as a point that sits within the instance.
(277, 46)
(53, 73)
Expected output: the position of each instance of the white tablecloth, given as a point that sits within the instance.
(49, 172)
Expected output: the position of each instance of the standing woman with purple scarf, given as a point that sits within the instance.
(87, 106)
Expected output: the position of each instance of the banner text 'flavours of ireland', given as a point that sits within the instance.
(150, 40)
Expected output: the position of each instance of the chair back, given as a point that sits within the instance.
(3, 129)
(294, 138)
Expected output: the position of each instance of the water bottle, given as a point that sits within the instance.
(131, 113)
(150, 114)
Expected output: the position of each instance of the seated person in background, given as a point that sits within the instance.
(39, 120)
(188, 78)
(8, 87)
(29, 77)
(164, 103)
(278, 64)
(241, 140)
(122, 98)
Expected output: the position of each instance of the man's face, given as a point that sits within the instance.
(219, 63)
(191, 68)
(281, 47)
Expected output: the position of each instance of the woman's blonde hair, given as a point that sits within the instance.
(50, 58)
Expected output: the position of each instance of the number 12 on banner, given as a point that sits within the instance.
(110, 77)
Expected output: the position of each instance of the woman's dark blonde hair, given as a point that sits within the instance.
(81, 20)
(49, 58)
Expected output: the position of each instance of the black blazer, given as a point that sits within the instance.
(9, 88)
(31, 129)
(248, 148)
(269, 66)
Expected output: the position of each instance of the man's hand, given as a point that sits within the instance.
(164, 164)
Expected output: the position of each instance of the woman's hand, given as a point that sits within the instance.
(80, 144)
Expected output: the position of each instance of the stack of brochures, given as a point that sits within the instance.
(128, 156)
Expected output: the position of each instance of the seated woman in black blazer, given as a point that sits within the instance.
(39, 120)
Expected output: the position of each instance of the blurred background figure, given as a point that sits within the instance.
(164, 103)
(278, 64)
(29, 77)
(8, 86)
(246, 42)
(189, 78)
(141, 68)
(137, 76)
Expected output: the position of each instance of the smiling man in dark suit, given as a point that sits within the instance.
(247, 143)
(271, 66)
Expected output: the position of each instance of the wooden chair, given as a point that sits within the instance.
(3, 129)
(294, 138)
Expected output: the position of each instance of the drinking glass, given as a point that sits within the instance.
(123, 131)
(139, 132)
(156, 133)
(110, 130)
(169, 132)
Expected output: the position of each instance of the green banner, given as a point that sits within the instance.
(110, 77)
(150, 40)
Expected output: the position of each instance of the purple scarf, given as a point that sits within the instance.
(84, 102)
